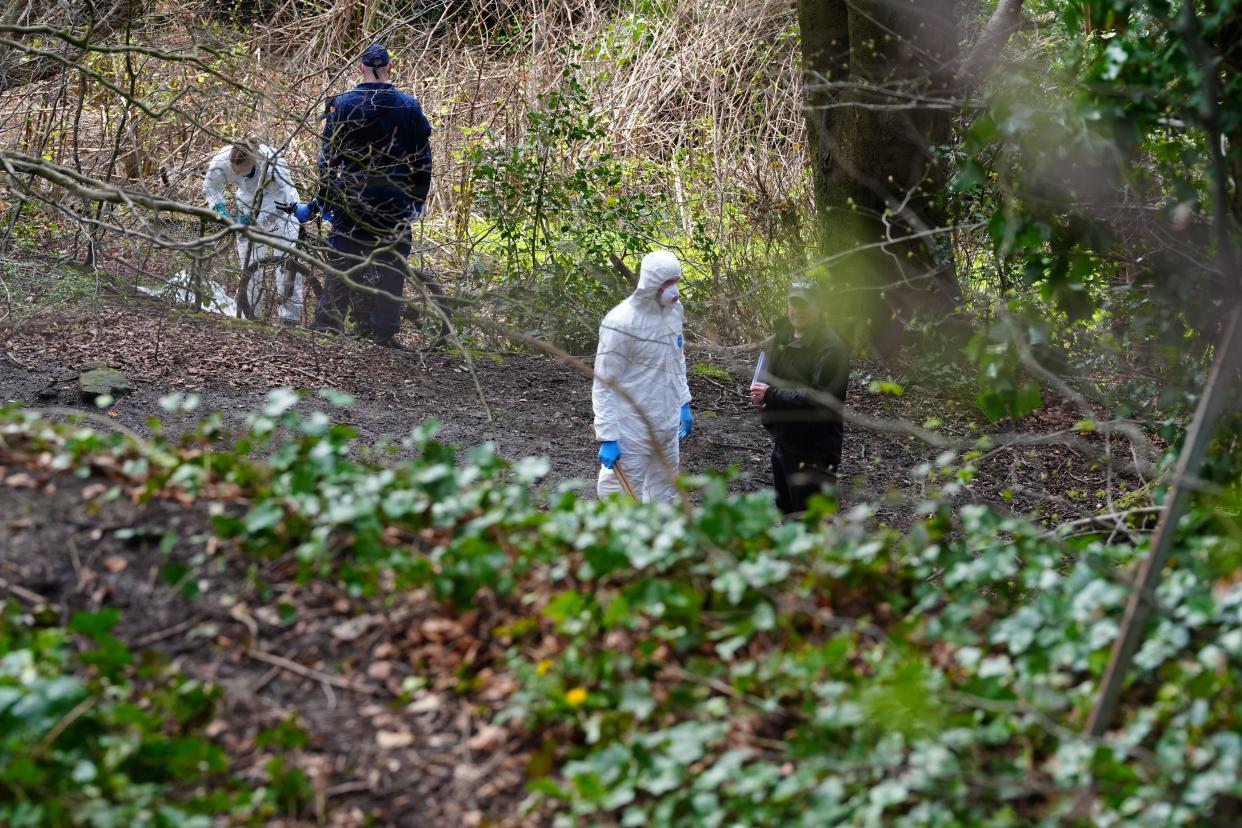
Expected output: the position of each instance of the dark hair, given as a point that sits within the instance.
(243, 150)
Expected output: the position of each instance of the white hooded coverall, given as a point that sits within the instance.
(257, 195)
(641, 356)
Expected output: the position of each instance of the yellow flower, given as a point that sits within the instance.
(543, 667)
(576, 697)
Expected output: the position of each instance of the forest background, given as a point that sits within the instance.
(1019, 210)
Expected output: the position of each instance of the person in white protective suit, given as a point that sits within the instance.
(640, 394)
(260, 178)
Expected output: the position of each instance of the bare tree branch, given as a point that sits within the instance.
(989, 47)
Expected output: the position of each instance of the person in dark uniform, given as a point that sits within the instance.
(801, 392)
(375, 172)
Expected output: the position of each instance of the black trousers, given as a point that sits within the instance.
(798, 473)
(377, 315)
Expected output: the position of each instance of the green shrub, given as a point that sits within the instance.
(711, 666)
(88, 738)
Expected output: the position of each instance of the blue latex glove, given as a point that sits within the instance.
(242, 220)
(221, 208)
(687, 422)
(306, 212)
(609, 453)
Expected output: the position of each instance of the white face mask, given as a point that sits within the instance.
(668, 296)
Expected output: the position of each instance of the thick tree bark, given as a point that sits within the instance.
(882, 88)
(826, 60)
(880, 82)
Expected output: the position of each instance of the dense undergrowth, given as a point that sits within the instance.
(708, 665)
(553, 142)
(571, 137)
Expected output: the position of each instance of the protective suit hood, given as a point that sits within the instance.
(256, 195)
(641, 352)
(657, 268)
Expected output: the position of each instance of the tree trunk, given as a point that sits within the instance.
(880, 78)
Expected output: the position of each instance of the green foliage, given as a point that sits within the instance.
(537, 193)
(87, 739)
(715, 667)
(1092, 169)
(886, 388)
(936, 718)
(706, 369)
(1006, 389)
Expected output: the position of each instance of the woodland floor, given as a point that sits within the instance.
(338, 662)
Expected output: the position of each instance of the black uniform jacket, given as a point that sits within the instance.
(798, 371)
(375, 163)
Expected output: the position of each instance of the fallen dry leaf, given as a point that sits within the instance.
(439, 629)
(115, 563)
(489, 737)
(352, 629)
(426, 704)
(92, 491)
(393, 739)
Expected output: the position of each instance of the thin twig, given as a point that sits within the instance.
(1108, 521)
(167, 632)
(32, 598)
(317, 675)
(72, 716)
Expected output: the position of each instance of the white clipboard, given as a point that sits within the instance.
(761, 368)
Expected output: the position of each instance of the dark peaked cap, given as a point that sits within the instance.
(375, 56)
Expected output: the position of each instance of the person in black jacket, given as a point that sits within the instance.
(375, 173)
(801, 392)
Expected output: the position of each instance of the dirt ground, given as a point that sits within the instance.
(341, 664)
(525, 404)
(333, 664)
